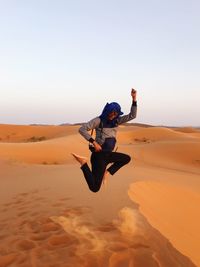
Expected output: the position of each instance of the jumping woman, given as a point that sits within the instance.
(102, 147)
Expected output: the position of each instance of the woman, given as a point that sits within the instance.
(103, 145)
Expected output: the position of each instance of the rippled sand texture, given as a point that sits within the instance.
(147, 215)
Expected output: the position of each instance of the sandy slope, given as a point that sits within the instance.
(187, 130)
(25, 133)
(147, 215)
(174, 210)
(54, 149)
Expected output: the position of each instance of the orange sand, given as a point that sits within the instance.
(147, 216)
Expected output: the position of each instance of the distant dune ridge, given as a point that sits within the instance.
(147, 216)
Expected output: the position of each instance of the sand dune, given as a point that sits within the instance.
(175, 155)
(38, 144)
(132, 134)
(173, 210)
(43, 223)
(162, 148)
(187, 130)
(148, 215)
(55, 151)
(25, 133)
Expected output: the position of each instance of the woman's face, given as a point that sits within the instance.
(112, 115)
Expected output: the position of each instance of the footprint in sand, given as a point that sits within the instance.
(22, 207)
(61, 202)
(34, 214)
(39, 237)
(76, 211)
(22, 222)
(61, 240)
(106, 228)
(4, 210)
(25, 244)
(51, 226)
(8, 204)
(6, 260)
(43, 220)
(18, 201)
(3, 236)
(22, 213)
(139, 246)
(118, 246)
(32, 227)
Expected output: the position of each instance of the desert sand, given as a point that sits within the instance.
(147, 215)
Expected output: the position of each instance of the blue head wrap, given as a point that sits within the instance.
(113, 106)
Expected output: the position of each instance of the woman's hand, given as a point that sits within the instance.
(97, 147)
(133, 94)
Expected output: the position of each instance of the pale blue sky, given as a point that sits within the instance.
(61, 61)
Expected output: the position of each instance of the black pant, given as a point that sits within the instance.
(99, 162)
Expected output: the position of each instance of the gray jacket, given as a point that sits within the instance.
(103, 133)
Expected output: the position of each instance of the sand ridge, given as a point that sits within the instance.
(167, 206)
(54, 232)
(50, 218)
(33, 133)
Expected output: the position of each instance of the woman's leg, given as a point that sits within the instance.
(94, 177)
(118, 160)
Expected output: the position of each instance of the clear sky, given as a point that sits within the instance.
(62, 61)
